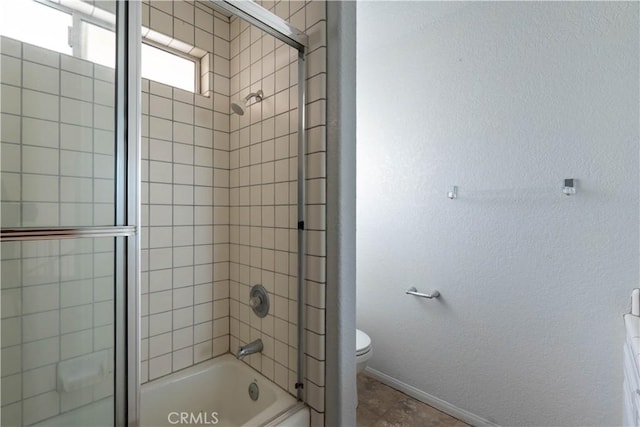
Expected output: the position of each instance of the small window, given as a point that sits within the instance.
(168, 68)
(36, 24)
(49, 27)
(98, 45)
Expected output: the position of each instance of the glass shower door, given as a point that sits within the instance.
(68, 239)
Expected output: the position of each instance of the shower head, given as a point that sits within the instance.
(238, 107)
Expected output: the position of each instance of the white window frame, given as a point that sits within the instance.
(196, 61)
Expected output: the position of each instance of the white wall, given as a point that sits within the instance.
(504, 100)
(341, 214)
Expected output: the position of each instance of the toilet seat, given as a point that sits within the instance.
(363, 343)
(363, 354)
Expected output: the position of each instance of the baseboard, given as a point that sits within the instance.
(430, 400)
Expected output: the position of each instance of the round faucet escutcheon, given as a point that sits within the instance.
(259, 300)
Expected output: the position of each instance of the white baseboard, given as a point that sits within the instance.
(430, 400)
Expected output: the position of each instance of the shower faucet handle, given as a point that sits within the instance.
(255, 301)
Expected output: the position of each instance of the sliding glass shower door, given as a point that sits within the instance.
(68, 213)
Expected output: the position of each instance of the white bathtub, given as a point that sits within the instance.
(216, 392)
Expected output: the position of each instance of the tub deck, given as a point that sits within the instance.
(215, 392)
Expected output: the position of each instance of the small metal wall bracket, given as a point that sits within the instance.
(569, 187)
(453, 194)
(259, 300)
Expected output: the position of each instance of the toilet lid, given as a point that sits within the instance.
(363, 342)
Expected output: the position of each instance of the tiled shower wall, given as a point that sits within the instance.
(57, 139)
(255, 196)
(57, 169)
(254, 201)
(263, 196)
(185, 199)
(263, 199)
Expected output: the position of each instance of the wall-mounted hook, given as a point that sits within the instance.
(454, 193)
(569, 187)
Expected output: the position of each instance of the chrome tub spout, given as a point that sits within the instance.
(251, 348)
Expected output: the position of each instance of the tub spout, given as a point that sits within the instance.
(251, 348)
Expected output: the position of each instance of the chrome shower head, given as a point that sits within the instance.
(238, 107)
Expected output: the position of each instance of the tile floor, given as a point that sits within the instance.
(383, 406)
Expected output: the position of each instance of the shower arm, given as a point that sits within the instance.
(257, 95)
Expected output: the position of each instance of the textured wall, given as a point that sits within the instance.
(504, 100)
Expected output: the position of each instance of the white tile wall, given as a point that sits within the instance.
(185, 151)
(263, 197)
(56, 296)
(57, 109)
(47, 317)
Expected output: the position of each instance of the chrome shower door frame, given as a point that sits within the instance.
(272, 24)
(127, 216)
(128, 131)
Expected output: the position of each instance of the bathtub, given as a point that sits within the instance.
(216, 392)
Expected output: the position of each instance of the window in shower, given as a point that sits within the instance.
(98, 44)
(158, 64)
(87, 33)
(165, 67)
(47, 27)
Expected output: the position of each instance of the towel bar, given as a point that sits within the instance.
(413, 291)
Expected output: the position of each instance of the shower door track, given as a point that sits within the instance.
(266, 21)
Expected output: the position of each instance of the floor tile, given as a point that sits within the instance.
(382, 406)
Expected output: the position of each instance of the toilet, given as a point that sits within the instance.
(363, 354)
(363, 350)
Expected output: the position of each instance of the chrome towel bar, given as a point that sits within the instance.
(413, 291)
